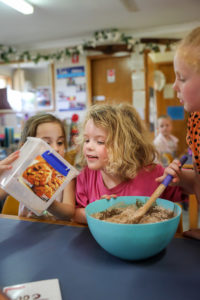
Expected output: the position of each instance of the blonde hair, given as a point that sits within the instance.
(189, 49)
(165, 117)
(128, 143)
(31, 125)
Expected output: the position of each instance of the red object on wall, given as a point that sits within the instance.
(75, 58)
(73, 129)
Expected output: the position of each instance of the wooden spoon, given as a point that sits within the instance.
(144, 209)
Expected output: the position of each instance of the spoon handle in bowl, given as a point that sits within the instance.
(160, 189)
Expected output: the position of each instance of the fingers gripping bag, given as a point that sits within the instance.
(37, 176)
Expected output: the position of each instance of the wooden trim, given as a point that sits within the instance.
(56, 222)
(146, 87)
(89, 81)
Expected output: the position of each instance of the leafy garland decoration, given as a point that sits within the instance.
(9, 54)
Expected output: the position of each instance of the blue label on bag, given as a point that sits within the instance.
(56, 163)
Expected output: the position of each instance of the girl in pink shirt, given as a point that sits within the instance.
(118, 157)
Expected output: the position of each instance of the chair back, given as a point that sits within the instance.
(193, 211)
(10, 206)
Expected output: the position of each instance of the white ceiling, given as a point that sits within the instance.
(57, 23)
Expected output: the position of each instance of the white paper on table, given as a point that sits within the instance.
(42, 290)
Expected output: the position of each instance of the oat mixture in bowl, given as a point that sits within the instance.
(123, 213)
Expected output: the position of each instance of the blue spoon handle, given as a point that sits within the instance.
(168, 179)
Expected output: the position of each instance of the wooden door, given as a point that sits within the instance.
(111, 80)
(179, 126)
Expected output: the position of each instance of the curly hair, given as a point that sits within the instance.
(128, 143)
(31, 125)
(189, 48)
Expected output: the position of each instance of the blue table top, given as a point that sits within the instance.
(31, 251)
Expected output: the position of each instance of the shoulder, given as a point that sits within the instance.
(194, 118)
(174, 138)
(158, 138)
(87, 174)
(155, 169)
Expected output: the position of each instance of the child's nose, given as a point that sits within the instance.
(90, 145)
(55, 147)
(175, 86)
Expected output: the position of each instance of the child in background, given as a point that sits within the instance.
(118, 157)
(187, 86)
(165, 142)
(52, 131)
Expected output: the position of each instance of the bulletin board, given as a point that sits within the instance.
(71, 88)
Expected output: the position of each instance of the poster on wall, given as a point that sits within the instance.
(43, 97)
(71, 88)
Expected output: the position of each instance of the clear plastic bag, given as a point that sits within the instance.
(37, 176)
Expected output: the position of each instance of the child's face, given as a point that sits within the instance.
(94, 148)
(165, 127)
(52, 134)
(187, 84)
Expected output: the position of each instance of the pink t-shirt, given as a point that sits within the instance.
(90, 186)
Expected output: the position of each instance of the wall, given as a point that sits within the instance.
(139, 91)
(138, 83)
(68, 64)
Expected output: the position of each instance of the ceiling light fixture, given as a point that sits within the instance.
(20, 5)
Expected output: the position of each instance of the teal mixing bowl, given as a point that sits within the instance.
(132, 241)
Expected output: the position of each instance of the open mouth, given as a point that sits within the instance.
(92, 157)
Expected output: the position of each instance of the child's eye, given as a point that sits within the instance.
(86, 141)
(100, 142)
(60, 143)
(180, 78)
(47, 141)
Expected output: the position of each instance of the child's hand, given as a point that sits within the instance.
(5, 164)
(108, 197)
(192, 233)
(174, 170)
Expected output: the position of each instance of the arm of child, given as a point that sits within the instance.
(182, 177)
(65, 209)
(5, 164)
(80, 216)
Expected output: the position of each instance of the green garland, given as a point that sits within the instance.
(9, 54)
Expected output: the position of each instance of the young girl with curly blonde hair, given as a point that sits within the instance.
(118, 157)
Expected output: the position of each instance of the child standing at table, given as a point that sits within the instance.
(165, 142)
(187, 86)
(52, 131)
(118, 157)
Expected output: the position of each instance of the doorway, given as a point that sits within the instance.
(166, 100)
(109, 79)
